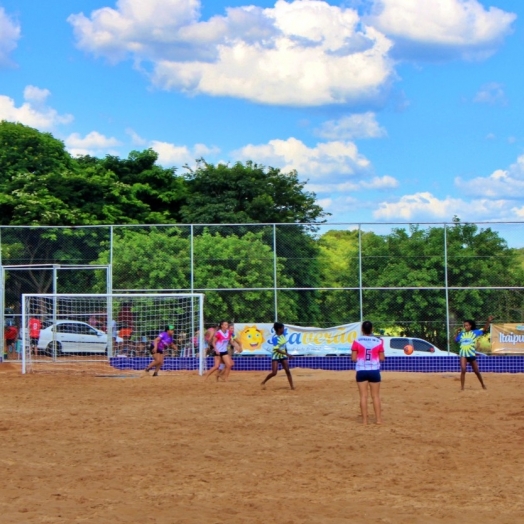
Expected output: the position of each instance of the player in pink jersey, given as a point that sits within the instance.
(220, 342)
(368, 352)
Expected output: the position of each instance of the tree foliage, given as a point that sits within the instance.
(160, 259)
(245, 193)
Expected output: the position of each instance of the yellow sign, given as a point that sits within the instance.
(507, 339)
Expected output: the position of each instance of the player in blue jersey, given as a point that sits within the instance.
(279, 355)
(467, 339)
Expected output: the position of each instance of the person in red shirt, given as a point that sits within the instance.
(10, 335)
(34, 333)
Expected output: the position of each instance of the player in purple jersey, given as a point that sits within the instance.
(160, 344)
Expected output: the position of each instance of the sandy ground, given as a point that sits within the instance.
(173, 449)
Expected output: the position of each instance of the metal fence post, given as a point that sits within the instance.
(192, 259)
(2, 297)
(109, 291)
(446, 284)
(275, 283)
(360, 273)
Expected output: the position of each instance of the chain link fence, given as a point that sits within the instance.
(415, 279)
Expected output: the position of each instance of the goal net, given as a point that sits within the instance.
(79, 333)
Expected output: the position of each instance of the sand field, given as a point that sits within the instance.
(175, 449)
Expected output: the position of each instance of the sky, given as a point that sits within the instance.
(391, 110)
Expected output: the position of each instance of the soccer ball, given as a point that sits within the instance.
(408, 349)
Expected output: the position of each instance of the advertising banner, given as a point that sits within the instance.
(259, 339)
(507, 339)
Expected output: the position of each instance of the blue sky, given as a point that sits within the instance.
(394, 110)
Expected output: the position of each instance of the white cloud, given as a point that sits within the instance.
(419, 206)
(492, 93)
(136, 139)
(506, 184)
(33, 112)
(9, 36)
(171, 154)
(298, 52)
(304, 52)
(499, 196)
(336, 159)
(93, 144)
(425, 206)
(446, 28)
(363, 125)
(371, 183)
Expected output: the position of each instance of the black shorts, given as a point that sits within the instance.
(279, 359)
(34, 341)
(221, 354)
(10, 341)
(368, 375)
(471, 359)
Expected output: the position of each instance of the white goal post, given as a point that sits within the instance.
(59, 328)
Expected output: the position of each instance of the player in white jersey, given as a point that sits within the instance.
(368, 352)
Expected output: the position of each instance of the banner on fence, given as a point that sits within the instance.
(507, 339)
(259, 339)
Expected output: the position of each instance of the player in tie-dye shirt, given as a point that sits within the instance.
(467, 340)
(279, 355)
(368, 352)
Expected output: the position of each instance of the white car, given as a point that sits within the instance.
(394, 347)
(72, 337)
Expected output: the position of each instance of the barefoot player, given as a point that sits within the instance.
(467, 339)
(280, 355)
(368, 352)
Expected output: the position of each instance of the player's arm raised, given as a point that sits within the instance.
(488, 322)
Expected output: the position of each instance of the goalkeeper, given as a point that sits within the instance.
(160, 344)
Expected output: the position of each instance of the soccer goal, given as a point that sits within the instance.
(115, 330)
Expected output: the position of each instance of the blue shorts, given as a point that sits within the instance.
(368, 375)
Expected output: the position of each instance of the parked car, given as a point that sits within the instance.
(394, 347)
(72, 337)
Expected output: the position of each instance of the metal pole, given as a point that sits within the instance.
(109, 291)
(275, 283)
(192, 260)
(55, 283)
(25, 336)
(201, 349)
(2, 300)
(446, 284)
(192, 286)
(2, 309)
(360, 272)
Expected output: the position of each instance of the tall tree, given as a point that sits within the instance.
(243, 193)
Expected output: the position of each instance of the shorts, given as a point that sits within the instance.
(470, 359)
(10, 341)
(369, 375)
(278, 359)
(159, 350)
(34, 341)
(125, 332)
(221, 354)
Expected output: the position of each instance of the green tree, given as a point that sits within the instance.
(251, 193)
(159, 259)
(338, 264)
(244, 193)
